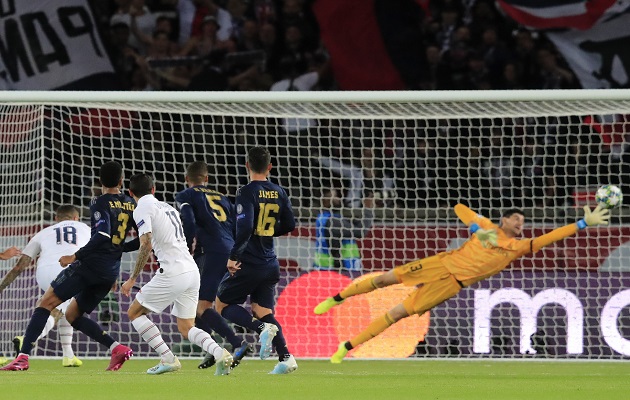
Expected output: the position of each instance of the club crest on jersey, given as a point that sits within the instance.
(139, 224)
(97, 215)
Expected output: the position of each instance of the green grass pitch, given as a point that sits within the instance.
(353, 379)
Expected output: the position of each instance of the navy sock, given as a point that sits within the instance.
(93, 330)
(278, 342)
(240, 316)
(34, 329)
(218, 324)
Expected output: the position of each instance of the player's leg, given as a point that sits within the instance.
(65, 332)
(286, 361)
(212, 273)
(233, 291)
(155, 296)
(83, 304)
(68, 282)
(356, 288)
(185, 308)
(418, 302)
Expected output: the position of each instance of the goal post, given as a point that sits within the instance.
(416, 154)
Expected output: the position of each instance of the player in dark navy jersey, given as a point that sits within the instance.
(263, 210)
(208, 217)
(90, 273)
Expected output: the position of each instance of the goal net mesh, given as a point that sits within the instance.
(407, 164)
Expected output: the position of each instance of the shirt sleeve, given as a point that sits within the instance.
(33, 248)
(101, 231)
(244, 223)
(553, 236)
(286, 223)
(468, 217)
(187, 215)
(142, 217)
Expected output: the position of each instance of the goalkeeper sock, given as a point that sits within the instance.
(364, 286)
(374, 329)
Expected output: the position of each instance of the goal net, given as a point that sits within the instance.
(398, 161)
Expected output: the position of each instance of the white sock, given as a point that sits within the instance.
(50, 323)
(151, 334)
(65, 331)
(202, 339)
(113, 346)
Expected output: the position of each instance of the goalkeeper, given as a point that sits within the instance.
(490, 249)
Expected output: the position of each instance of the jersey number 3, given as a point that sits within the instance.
(267, 219)
(122, 228)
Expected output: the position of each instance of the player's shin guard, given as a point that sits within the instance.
(93, 330)
(374, 329)
(34, 329)
(279, 343)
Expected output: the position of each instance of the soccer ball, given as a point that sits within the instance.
(608, 196)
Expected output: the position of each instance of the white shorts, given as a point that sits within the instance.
(46, 274)
(182, 291)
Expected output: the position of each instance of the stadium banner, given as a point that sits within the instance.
(571, 300)
(591, 35)
(49, 44)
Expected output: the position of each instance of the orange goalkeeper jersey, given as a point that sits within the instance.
(473, 262)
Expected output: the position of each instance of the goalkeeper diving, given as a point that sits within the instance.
(489, 250)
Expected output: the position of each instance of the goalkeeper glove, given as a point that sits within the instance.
(599, 216)
(484, 235)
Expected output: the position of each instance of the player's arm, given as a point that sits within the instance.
(101, 236)
(143, 256)
(244, 228)
(286, 222)
(596, 217)
(187, 216)
(477, 224)
(21, 265)
(9, 253)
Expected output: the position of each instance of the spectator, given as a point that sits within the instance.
(551, 75)
(336, 236)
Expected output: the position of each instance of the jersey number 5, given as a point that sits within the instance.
(267, 219)
(217, 210)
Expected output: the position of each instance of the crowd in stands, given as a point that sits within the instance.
(252, 44)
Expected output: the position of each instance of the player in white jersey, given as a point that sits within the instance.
(176, 282)
(65, 237)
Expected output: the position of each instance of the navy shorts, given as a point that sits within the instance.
(87, 288)
(212, 267)
(257, 281)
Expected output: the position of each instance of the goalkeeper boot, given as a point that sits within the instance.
(19, 364)
(164, 367)
(71, 362)
(326, 305)
(207, 362)
(120, 354)
(17, 344)
(224, 364)
(266, 338)
(339, 354)
(285, 367)
(241, 352)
